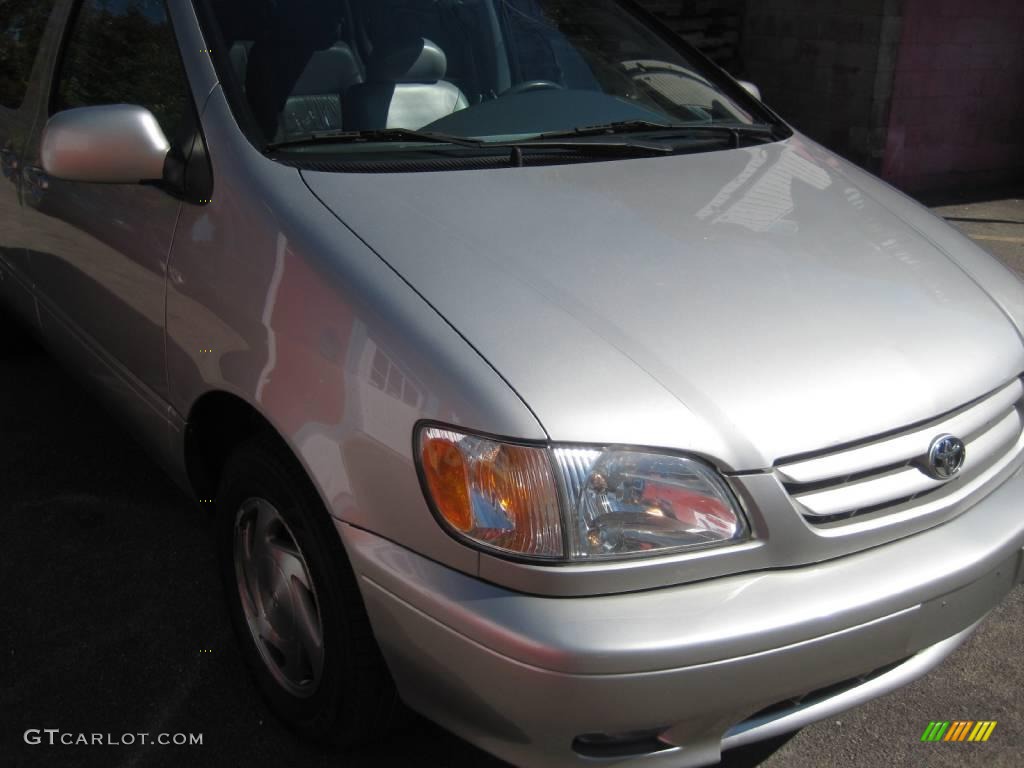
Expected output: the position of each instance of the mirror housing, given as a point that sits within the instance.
(115, 144)
(752, 89)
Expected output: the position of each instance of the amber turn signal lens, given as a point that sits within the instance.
(499, 495)
(446, 476)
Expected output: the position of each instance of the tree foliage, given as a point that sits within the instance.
(22, 23)
(124, 55)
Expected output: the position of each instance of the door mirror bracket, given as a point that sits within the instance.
(124, 144)
(752, 89)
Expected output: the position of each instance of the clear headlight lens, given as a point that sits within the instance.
(610, 504)
(636, 503)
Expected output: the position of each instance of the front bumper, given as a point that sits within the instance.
(704, 666)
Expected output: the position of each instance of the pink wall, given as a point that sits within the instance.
(957, 114)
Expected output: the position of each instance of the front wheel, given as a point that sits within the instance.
(294, 601)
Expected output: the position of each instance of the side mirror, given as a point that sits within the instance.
(752, 89)
(117, 144)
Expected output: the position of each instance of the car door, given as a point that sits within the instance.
(23, 28)
(98, 252)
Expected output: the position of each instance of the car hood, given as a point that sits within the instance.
(746, 305)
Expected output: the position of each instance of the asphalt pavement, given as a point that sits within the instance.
(112, 619)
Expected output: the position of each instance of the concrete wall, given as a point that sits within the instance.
(828, 68)
(957, 116)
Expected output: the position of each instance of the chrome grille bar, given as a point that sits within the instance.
(892, 470)
(905, 447)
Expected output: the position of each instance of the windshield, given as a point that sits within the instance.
(301, 72)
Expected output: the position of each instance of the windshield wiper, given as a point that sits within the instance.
(552, 140)
(734, 132)
(610, 129)
(382, 135)
(357, 137)
(618, 146)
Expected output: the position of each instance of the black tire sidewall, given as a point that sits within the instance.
(258, 473)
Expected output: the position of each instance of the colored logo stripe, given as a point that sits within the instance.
(958, 730)
(982, 730)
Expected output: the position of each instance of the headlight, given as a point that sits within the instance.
(638, 503)
(574, 504)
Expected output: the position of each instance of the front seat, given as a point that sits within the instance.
(404, 88)
(297, 72)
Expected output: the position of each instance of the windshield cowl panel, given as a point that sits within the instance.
(361, 78)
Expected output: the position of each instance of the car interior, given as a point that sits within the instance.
(324, 65)
(313, 66)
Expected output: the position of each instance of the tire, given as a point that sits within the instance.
(267, 512)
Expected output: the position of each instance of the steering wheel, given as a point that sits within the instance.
(529, 86)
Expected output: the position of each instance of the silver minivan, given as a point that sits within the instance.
(539, 375)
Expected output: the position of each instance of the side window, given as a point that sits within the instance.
(22, 23)
(124, 53)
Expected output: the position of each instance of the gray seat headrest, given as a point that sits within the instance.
(415, 60)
